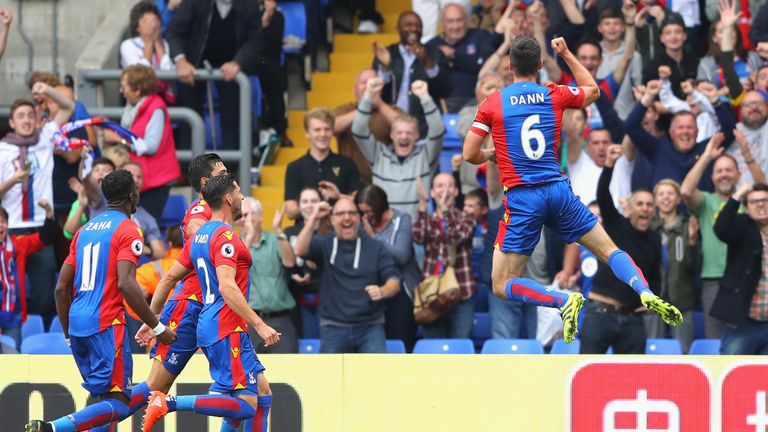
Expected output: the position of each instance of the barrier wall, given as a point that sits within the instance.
(445, 393)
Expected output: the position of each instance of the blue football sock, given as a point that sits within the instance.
(139, 395)
(229, 425)
(625, 269)
(212, 405)
(259, 422)
(92, 416)
(109, 427)
(531, 292)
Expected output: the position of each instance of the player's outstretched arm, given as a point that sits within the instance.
(63, 295)
(583, 78)
(235, 299)
(134, 296)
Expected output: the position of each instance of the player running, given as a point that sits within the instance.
(98, 273)
(221, 260)
(182, 310)
(524, 120)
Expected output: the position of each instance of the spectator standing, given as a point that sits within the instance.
(146, 115)
(614, 314)
(429, 13)
(465, 50)
(742, 301)
(356, 274)
(333, 174)
(402, 64)
(269, 296)
(90, 200)
(706, 206)
(228, 34)
(486, 14)
(447, 238)
(382, 116)
(154, 245)
(146, 45)
(395, 168)
(612, 25)
(306, 277)
(585, 167)
(752, 132)
(166, 9)
(13, 265)
(26, 169)
(674, 157)
(681, 262)
(682, 63)
(271, 71)
(394, 229)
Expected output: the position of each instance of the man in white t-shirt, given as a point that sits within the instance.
(585, 166)
(26, 169)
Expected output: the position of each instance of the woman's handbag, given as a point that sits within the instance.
(437, 294)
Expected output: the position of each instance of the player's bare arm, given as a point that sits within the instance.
(582, 76)
(235, 299)
(63, 295)
(193, 226)
(473, 151)
(134, 296)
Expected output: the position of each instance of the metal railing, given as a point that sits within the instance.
(89, 92)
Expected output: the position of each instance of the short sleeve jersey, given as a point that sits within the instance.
(524, 120)
(190, 287)
(216, 244)
(94, 253)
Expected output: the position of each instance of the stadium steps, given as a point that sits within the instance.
(351, 53)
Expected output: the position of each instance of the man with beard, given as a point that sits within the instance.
(752, 131)
(706, 206)
(614, 313)
(675, 156)
(356, 274)
(400, 65)
(395, 168)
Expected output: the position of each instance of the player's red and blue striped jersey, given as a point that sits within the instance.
(524, 120)
(216, 244)
(94, 252)
(190, 287)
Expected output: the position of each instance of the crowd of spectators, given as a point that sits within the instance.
(672, 156)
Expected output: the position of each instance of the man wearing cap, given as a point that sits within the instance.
(682, 63)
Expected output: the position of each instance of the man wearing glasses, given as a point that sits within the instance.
(742, 302)
(356, 274)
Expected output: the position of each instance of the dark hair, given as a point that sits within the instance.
(600, 129)
(593, 203)
(757, 187)
(104, 161)
(174, 236)
(525, 55)
(589, 41)
(714, 49)
(117, 186)
(478, 194)
(376, 198)
(611, 13)
(216, 188)
(18, 103)
(201, 166)
(4, 213)
(137, 11)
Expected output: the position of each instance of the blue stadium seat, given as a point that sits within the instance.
(452, 140)
(173, 213)
(663, 346)
(55, 326)
(309, 346)
(7, 340)
(45, 343)
(560, 347)
(512, 346)
(705, 347)
(32, 326)
(444, 346)
(295, 35)
(481, 330)
(395, 346)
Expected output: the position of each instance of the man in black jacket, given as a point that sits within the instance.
(614, 315)
(229, 34)
(408, 61)
(742, 302)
